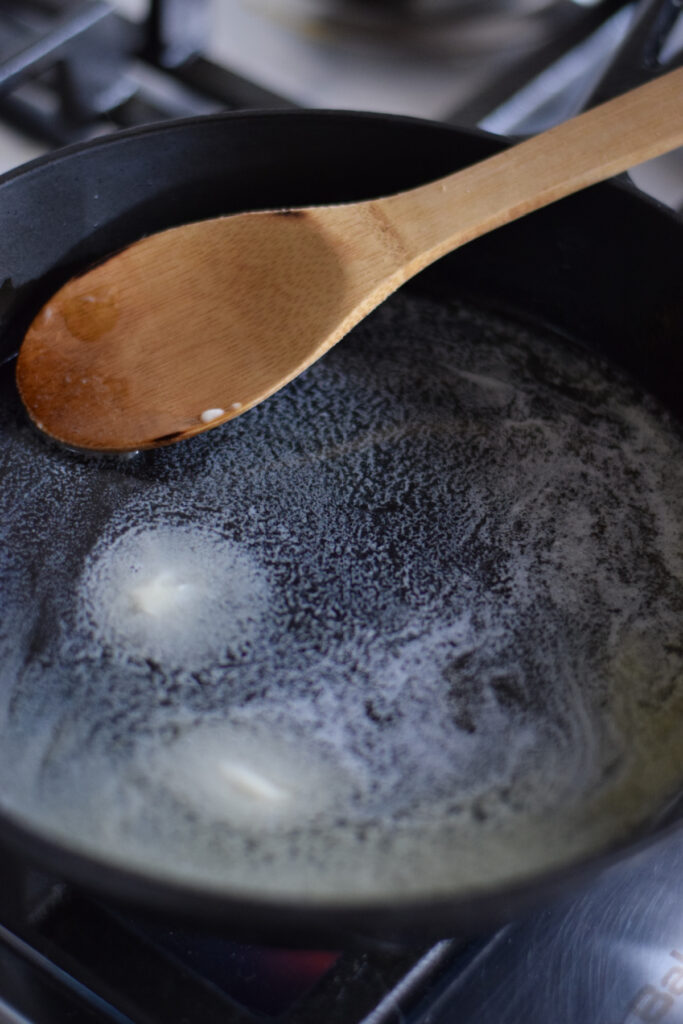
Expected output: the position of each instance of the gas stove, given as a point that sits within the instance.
(74, 69)
(611, 955)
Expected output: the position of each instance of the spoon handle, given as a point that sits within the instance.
(435, 218)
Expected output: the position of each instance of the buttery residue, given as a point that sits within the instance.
(209, 415)
(413, 626)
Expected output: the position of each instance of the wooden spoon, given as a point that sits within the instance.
(190, 327)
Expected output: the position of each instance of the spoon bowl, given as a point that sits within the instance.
(190, 327)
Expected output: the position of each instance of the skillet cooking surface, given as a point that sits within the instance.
(411, 628)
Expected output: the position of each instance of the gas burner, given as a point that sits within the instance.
(455, 28)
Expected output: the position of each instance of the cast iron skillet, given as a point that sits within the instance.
(602, 267)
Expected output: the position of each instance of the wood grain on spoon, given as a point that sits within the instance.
(190, 327)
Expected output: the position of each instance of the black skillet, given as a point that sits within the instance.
(601, 268)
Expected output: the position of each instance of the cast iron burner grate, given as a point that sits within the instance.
(72, 69)
(613, 955)
(66, 956)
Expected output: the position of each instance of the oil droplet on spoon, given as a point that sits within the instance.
(91, 315)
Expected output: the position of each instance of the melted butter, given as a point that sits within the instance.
(433, 637)
(161, 594)
(90, 315)
(253, 784)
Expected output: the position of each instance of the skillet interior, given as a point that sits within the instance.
(527, 286)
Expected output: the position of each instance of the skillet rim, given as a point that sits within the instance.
(54, 157)
(352, 921)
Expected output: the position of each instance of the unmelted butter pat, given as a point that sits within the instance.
(160, 595)
(250, 783)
